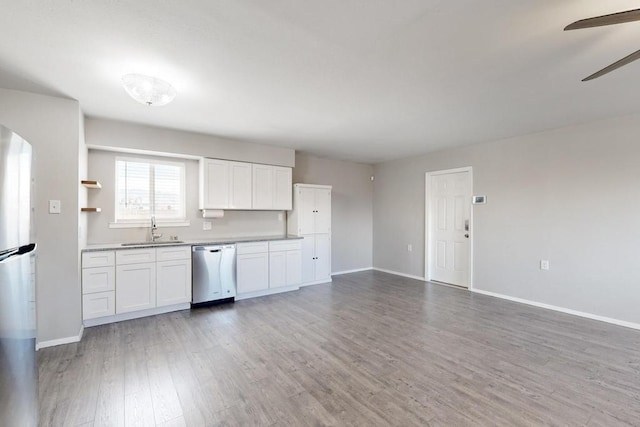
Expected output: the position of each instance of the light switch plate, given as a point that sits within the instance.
(55, 207)
(479, 200)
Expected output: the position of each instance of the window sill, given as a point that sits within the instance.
(146, 224)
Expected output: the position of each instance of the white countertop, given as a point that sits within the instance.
(199, 242)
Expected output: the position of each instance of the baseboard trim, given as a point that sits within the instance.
(317, 282)
(265, 292)
(357, 270)
(136, 314)
(611, 320)
(61, 341)
(397, 273)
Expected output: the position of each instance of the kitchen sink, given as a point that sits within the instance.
(164, 242)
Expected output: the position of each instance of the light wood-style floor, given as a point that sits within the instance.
(371, 349)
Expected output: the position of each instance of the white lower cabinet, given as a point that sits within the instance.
(173, 275)
(285, 268)
(252, 272)
(294, 267)
(277, 269)
(98, 279)
(323, 257)
(262, 266)
(98, 304)
(98, 284)
(316, 258)
(130, 280)
(135, 287)
(173, 285)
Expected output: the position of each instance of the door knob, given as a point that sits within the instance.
(466, 235)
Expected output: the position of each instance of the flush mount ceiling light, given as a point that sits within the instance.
(148, 90)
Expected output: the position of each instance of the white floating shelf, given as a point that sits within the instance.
(90, 184)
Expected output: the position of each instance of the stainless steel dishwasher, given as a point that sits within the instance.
(213, 273)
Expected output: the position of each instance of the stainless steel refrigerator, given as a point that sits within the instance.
(18, 364)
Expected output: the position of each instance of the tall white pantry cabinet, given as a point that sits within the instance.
(311, 219)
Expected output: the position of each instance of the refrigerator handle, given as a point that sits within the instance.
(4, 255)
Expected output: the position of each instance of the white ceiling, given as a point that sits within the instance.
(363, 80)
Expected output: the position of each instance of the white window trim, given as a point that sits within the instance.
(160, 223)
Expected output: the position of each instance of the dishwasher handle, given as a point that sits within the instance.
(204, 248)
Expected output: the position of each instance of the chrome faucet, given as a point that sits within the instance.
(154, 230)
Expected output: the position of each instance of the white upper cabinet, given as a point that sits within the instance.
(282, 189)
(323, 210)
(263, 185)
(271, 187)
(306, 211)
(214, 184)
(225, 184)
(311, 211)
(238, 185)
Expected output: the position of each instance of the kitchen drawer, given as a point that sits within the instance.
(171, 253)
(99, 304)
(285, 245)
(135, 256)
(98, 259)
(252, 248)
(98, 279)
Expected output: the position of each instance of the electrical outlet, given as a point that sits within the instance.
(280, 216)
(410, 247)
(55, 207)
(544, 264)
(206, 225)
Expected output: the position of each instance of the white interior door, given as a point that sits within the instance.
(449, 219)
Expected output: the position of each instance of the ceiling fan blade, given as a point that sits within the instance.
(599, 21)
(624, 61)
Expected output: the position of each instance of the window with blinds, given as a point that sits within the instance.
(146, 188)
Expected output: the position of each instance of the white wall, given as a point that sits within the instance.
(52, 126)
(571, 196)
(351, 207)
(234, 224)
(115, 134)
